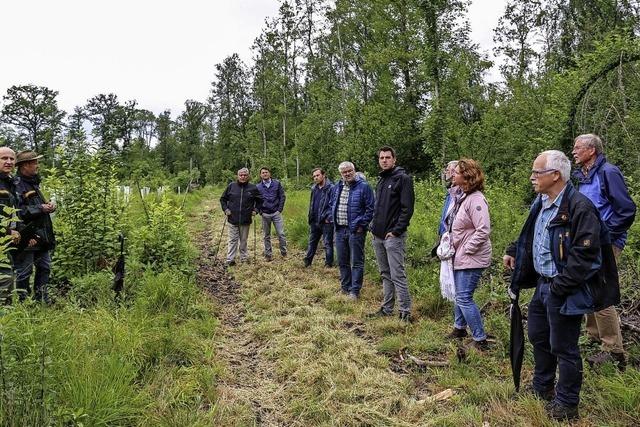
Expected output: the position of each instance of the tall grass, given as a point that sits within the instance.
(90, 361)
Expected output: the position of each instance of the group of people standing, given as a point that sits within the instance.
(26, 218)
(567, 250)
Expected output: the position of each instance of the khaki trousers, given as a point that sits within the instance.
(604, 325)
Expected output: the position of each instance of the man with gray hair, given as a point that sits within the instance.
(352, 203)
(240, 201)
(564, 252)
(604, 185)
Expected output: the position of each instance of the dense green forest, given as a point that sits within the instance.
(331, 81)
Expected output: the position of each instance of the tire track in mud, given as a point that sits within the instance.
(245, 387)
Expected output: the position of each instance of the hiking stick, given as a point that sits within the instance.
(255, 255)
(215, 256)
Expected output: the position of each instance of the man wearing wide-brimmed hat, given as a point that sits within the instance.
(35, 212)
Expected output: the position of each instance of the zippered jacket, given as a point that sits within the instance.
(30, 201)
(581, 249)
(273, 197)
(395, 200)
(320, 197)
(604, 185)
(359, 206)
(241, 199)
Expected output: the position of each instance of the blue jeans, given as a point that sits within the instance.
(350, 249)
(23, 264)
(465, 310)
(554, 337)
(316, 231)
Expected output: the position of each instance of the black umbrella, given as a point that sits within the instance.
(118, 270)
(516, 339)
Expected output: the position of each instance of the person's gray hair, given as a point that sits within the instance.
(591, 141)
(452, 163)
(243, 170)
(346, 165)
(559, 161)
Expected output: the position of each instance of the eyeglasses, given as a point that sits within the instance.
(538, 173)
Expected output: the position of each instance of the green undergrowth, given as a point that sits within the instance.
(145, 360)
(335, 366)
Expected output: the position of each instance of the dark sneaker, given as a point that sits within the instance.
(230, 263)
(547, 395)
(284, 254)
(405, 316)
(378, 314)
(457, 333)
(480, 345)
(560, 412)
(328, 266)
(268, 258)
(307, 263)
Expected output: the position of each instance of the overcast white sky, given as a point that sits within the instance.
(158, 52)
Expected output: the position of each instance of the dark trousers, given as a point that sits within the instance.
(317, 231)
(554, 337)
(350, 249)
(23, 264)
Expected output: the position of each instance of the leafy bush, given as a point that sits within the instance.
(89, 215)
(162, 242)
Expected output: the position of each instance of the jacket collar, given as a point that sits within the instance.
(586, 179)
(562, 217)
(34, 180)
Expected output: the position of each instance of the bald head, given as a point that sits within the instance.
(7, 160)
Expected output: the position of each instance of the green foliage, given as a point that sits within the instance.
(162, 241)
(89, 215)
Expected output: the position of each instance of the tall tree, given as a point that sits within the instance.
(33, 111)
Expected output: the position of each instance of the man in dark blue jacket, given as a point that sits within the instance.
(240, 201)
(320, 223)
(564, 252)
(604, 185)
(352, 204)
(35, 212)
(273, 199)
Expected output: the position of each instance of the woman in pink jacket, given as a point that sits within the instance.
(470, 227)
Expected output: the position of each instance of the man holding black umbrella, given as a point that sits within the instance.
(564, 251)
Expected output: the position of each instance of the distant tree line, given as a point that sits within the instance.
(334, 80)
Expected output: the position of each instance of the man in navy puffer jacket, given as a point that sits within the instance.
(352, 205)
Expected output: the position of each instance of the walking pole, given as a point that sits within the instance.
(255, 255)
(215, 256)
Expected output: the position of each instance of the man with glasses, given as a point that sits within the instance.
(564, 252)
(352, 204)
(604, 185)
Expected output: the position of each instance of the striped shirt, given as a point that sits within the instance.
(343, 205)
(542, 257)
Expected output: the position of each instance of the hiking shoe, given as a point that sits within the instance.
(405, 316)
(547, 395)
(457, 333)
(352, 296)
(307, 263)
(560, 412)
(378, 314)
(230, 263)
(481, 346)
(603, 357)
(268, 258)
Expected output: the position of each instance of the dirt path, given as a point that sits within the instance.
(247, 382)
